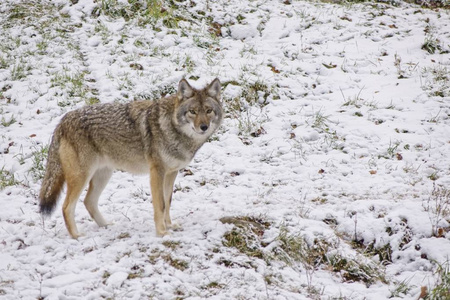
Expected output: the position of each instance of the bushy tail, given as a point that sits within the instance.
(53, 181)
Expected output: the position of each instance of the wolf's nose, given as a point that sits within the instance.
(204, 127)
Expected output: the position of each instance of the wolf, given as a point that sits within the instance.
(158, 137)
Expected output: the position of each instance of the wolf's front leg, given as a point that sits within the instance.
(157, 187)
(169, 180)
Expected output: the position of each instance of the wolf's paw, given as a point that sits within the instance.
(101, 222)
(174, 226)
(77, 235)
(105, 224)
(162, 233)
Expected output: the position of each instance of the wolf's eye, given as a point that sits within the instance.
(192, 111)
(209, 111)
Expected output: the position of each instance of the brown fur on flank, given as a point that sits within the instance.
(157, 137)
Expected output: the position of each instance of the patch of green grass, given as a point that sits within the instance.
(246, 235)
(147, 12)
(123, 235)
(244, 241)
(214, 285)
(294, 249)
(4, 62)
(401, 288)
(432, 44)
(157, 92)
(102, 30)
(355, 269)
(105, 276)
(112, 8)
(437, 205)
(188, 64)
(26, 10)
(73, 82)
(92, 100)
(7, 178)
(42, 46)
(258, 92)
(433, 176)
(202, 42)
(136, 272)
(20, 70)
(173, 245)
(320, 121)
(442, 288)
(38, 156)
(176, 263)
(391, 151)
(250, 124)
(249, 119)
(167, 90)
(436, 80)
(75, 86)
(248, 49)
(353, 102)
(383, 253)
(210, 44)
(424, 4)
(7, 123)
(391, 106)
(125, 82)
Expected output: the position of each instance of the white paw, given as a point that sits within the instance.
(162, 233)
(105, 224)
(174, 226)
(77, 235)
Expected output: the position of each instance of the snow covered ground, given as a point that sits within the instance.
(329, 178)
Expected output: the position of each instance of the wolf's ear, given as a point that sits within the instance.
(184, 90)
(213, 89)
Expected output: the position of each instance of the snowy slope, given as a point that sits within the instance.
(337, 136)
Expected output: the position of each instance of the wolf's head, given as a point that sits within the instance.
(199, 112)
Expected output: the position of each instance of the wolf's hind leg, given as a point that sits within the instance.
(96, 186)
(77, 175)
(75, 186)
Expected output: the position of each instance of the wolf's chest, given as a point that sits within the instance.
(174, 160)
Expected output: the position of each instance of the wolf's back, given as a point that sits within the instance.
(53, 181)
